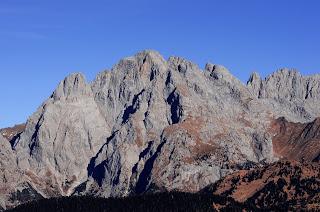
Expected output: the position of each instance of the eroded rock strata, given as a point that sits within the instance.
(154, 124)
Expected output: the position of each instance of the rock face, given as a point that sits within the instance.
(289, 94)
(179, 128)
(286, 84)
(15, 186)
(7, 170)
(62, 136)
(151, 124)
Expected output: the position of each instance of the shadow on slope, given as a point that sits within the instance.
(154, 202)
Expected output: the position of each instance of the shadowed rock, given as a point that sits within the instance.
(155, 123)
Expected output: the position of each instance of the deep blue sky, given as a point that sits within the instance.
(42, 41)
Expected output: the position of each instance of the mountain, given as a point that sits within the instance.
(288, 93)
(61, 137)
(151, 124)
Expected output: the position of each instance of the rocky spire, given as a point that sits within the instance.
(62, 136)
(218, 72)
(72, 87)
(254, 84)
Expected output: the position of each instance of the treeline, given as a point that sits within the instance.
(172, 201)
(152, 202)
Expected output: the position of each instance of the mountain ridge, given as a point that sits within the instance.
(151, 122)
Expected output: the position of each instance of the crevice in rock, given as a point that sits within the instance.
(141, 155)
(175, 107)
(13, 141)
(260, 90)
(168, 79)
(154, 72)
(99, 173)
(182, 68)
(100, 170)
(80, 188)
(91, 166)
(132, 108)
(145, 175)
(33, 143)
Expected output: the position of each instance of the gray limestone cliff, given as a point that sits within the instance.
(151, 123)
(288, 94)
(62, 135)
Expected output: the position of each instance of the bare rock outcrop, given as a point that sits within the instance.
(15, 186)
(180, 128)
(62, 136)
(151, 123)
(7, 171)
(288, 94)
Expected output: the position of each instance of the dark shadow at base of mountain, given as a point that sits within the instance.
(154, 202)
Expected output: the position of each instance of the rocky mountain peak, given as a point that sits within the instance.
(61, 137)
(143, 64)
(254, 77)
(150, 124)
(254, 83)
(72, 87)
(182, 65)
(150, 56)
(284, 72)
(286, 91)
(218, 72)
(222, 76)
(284, 83)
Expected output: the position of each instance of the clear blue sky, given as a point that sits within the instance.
(42, 41)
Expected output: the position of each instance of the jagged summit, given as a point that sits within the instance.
(286, 84)
(218, 72)
(150, 124)
(151, 55)
(139, 61)
(148, 53)
(71, 87)
(255, 76)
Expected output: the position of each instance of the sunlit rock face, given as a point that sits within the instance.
(289, 94)
(151, 123)
(179, 128)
